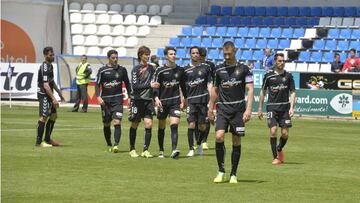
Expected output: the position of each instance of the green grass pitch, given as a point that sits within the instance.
(322, 164)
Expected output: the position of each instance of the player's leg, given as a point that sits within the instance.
(207, 131)
(272, 124)
(135, 115)
(191, 119)
(174, 123)
(222, 124)
(106, 119)
(162, 115)
(116, 113)
(49, 128)
(202, 119)
(132, 138)
(147, 136)
(44, 108)
(285, 124)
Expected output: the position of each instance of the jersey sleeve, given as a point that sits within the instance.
(265, 84)
(248, 76)
(98, 82)
(126, 81)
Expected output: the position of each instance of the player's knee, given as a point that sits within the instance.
(219, 137)
(202, 127)
(148, 124)
(116, 122)
(53, 116)
(106, 124)
(43, 119)
(134, 125)
(162, 124)
(285, 134)
(191, 125)
(236, 140)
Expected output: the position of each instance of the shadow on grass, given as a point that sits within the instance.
(251, 181)
(292, 162)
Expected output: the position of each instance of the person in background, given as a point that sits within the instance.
(336, 65)
(352, 64)
(268, 60)
(154, 61)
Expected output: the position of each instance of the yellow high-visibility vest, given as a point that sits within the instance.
(80, 74)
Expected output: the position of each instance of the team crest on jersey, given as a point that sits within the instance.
(117, 75)
(200, 72)
(237, 71)
(284, 79)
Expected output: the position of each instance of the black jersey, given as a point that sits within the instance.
(197, 79)
(45, 74)
(170, 80)
(212, 70)
(230, 81)
(110, 80)
(278, 87)
(141, 77)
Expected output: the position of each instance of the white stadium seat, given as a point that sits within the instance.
(295, 44)
(290, 66)
(116, 19)
(166, 10)
(324, 21)
(336, 21)
(129, 8)
(131, 42)
(78, 40)
(142, 20)
(93, 51)
(90, 29)
(357, 22)
(155, 20)
(130, 30)
(325, 68)
(75, 17)
(101, 8)
(105, 51)
(143, 31)
(104, 30)
(88, 8)
(154, 9)
(89, 18)
(105, 41)
(121, 51)
(91, 40)
(77, 29)
(301, 67)
(119, 41)
(79, 50)
(309, 33)
(141, 9)
(103, 19)
(313, 67)
(118, 30)
(74, 7)
(130, 20)
(114, 9)
(347, 22)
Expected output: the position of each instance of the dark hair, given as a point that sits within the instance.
(46, 50)
(194, 47)
(202, 52)
(353, 50)
(337, 54)
(167, 49)
(111, 52)
(153, 58)
(229, 44)
(278, 54)
(142, 50)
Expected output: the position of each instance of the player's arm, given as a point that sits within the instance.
(97, 88)
(127, 83)
(250, 96)
(213, 97)
(262, 96)
(155, 84)
(292, 96)
(58, 91)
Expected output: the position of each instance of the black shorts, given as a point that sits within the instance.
(169, 110)
(232, 120)
(46, 107)
(111, 110)
(140, 109)
(279, 117)
(197, 113)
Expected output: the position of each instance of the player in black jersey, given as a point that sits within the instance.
(110, 78)
(47, 101)
(278, 83)
(198, 85)
(168, 80)
(231, 81)
(141, 106)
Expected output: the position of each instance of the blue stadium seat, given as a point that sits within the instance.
(271, 11)
(260, 11)
(273, 43)
(316, 57)
(299, 32)
(246, 55)
(354, 45)
(235, 21)
(257, 65)
(339, 11)
(343, 56)
(210, 31)
(304, 56)
(283, 11)
(180, 53)
(221, 55)
(232, 32)
(246, 21)
(305, 11)
(250, 11)
(239, 42)
(275, 32)
(221, 31)
(279, 21)
(196, 42)
(328, 57)
(302, 22)
(213, 54)
(291, 21)
(206, 42)
(261, 43)
(258, 55)
(293, 11)
(328, 11)
(226, 11)
(243, 31)
(343, 45)
(264, 32)
(257, 21)
(185, 62)
(201, 20)
(253, 32)
(358, 11)
(238, 54)
(316, 11)
(250, 43)
(330, 45)
(318, 45)
(224, 20)
(350, 12)
(239, 11)
(225, 39)
(186, 31)
(217, 42)
(268, 22)
(198, 31)
(355, 34)
(178, 62)
(333, 33)
(211, 20)
(185, 42)
(313, 21)
(345, 34)
(174, 42)
(160, 52)
(284, 43)
(287, 33)
(215, 10)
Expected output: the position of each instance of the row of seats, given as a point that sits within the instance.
(251, 32)
(116, 19)
(305, 67)
(92, 29)
(96, 51)
(335, 45)
(257, 21)
(339, 22)
(285, 11)
(320, 56)
(93, 40)
(117, 8)
(344, 33)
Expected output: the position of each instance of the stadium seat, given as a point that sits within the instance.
(275, 32)
(264, 32)
(105, 50)
(357, 21)
(77, 29)
(246, 21)
(88, 18)
(271, 11)
(141, 9)
(238, 54)
(260, 11)
(79, 50)
(295, 44)
(215, 10)
(250, 43)
(339, 11)
(181, 53)
(284, 43)
(74, 7)
(210, 31)
(155, 21)
(206, 42)
(91, 40)
(211, 20)
(116, 19)
(316, 57)
(333, 33)
(186, 31)
(75, 17)
(328, 11)
(114, 9)
(88, 8)
(235, 21)
(325, 21)
(201, 20)
(105, 41)
(93, 51)
(311, 22)
(287, 33)
(166, 10)
(78, 39)
(90, 29)
(304, 56)
(246, 55)
(253, 32)
(268, 22)
(316, 12)
(129, 8)
(143, 31)
(318, 45)
(142, 20)
(104, 30)
(119, 41)
(101, 8)
(121, 51)
(232, 32)
(185, 42)
(243, 32)
(185, 62)
(239, 42)
(103, 18)
(330, 45)
(328, 57)
(302, 22)
(293, 11)
(298, 32)
(239, 11)
(131, 41)
(130, 30)
(249, 11)
(343, 45)
(198, 31)
(325, 68)
(261, 43)
(154, 9)
(279, 21)
(226, 11)
(310, 33)
(283, 11)
(355, 34)
(213, 54)
(224, 21)
(273, 44)
(160, 52)
(217, 42)
(130, 20)
(358, 11)
(345, 34)
(301, 67)
(336, 21)
(257, 65)
(343, 56)
(257, 21)
(258, 55)
(118, 30)
(196, 42)
(291, 21)
(305, 11)
(290, 67)
(354, 45)
(347, 22)
(313, 67)
(221, 31)
(174, 42)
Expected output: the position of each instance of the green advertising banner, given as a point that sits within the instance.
(319, 102)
